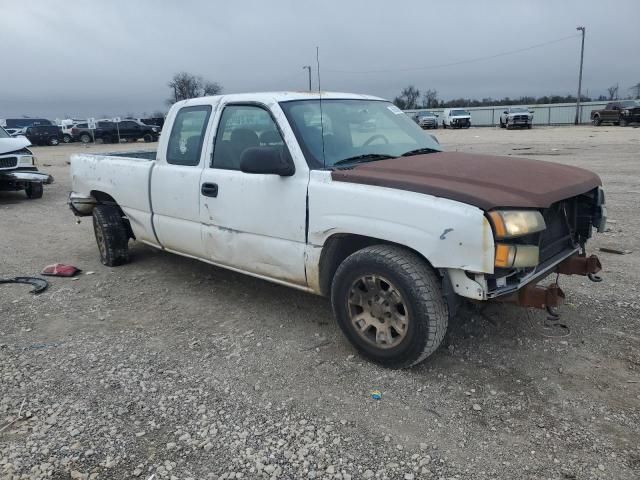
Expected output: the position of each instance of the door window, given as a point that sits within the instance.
(187, 135)
(242, 127)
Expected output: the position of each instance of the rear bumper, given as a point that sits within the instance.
(81, 205)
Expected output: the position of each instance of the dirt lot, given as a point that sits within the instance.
(173, 368)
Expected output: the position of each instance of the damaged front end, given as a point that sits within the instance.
(559, 247)
(18, 168)
(533, 244)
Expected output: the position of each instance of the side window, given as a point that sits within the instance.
(187, 135)
(242, 127)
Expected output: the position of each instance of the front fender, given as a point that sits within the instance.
(447, 233)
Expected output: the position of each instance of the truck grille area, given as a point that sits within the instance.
(559, 234)
(8, 162)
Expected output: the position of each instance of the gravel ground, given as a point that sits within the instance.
(172, 369)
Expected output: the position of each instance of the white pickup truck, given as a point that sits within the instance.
(290, 187)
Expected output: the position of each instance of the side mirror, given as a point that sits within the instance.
(267, 160)
(530, 111)
(506, 112)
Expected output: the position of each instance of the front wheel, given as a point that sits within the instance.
(597, 121)
(53, 141)
(623, 122)
(66, 138)
(389, 303)
(34, 190)
(111, 234)
(85, 138)
(148, 138)
(529, 126)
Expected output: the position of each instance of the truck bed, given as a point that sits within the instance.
(122, 175)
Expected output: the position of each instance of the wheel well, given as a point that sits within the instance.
(103, 198)
(338, 247)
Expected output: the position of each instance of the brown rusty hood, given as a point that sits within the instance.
(486, 181)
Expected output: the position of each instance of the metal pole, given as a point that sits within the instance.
(308, 67)
(577, 120)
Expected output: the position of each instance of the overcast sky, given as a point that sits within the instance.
(94, 58)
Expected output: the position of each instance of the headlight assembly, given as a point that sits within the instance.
(516, 223)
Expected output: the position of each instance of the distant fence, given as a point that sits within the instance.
(547, 114)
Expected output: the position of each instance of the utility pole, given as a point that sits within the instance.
(308, 67)
(580, 29)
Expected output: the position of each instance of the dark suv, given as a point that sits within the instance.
(44, 134)
(108, 132)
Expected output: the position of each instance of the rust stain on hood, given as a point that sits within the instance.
(485, 181)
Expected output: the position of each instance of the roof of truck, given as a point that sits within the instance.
(266, 97)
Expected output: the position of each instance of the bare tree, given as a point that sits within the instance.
(636, 87)
(430, 99)
(613, 92)
(408, 98)
(186, 85)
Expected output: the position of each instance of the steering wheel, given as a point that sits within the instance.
(376, 137)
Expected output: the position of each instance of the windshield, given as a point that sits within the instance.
(3, 133)
(426, 114)
(631, 103)
(353, 128)
(518, 109)
(457, 113)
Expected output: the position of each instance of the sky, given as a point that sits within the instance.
(77, 59)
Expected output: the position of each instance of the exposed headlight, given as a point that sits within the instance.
(26, 160)
(516, 256)
(516, 223)
(625, 112)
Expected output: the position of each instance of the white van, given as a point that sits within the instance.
(456, 118)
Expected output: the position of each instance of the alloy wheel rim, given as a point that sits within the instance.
(378, 311)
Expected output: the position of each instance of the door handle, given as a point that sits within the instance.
(209, 189)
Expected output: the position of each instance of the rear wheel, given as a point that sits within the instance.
(502, 125)
(66, 138)
(623, 122)
(444, 125)
(85, 138)
(148, 138)
(54, 141)
(388, 302)
(34, 190)
(111, 234)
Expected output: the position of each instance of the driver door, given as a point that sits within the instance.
(253, 222)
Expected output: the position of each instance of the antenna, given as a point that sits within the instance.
(324, 161)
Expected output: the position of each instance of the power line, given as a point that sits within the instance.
(461, 62)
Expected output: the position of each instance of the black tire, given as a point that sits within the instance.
(444, 125)
(85, 138)
(529, 126)
(66, 138)
(597, 121)
(111, 234)
(502, 125)
(420, 291)
(53, 141)
(148, 138)
(623, 122)
(435, 126)
(34, 190)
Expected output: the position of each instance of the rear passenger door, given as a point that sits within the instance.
(175, 182)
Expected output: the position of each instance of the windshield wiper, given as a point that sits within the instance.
(419, 151)
(368, 157)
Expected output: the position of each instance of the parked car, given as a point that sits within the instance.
(18, 168)
(456, 118)
(25, 122)
(426, 119)
(14, 132)
(44, 134)
(620, 113)
(516, 117)
(108, 132)
(394, 230)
